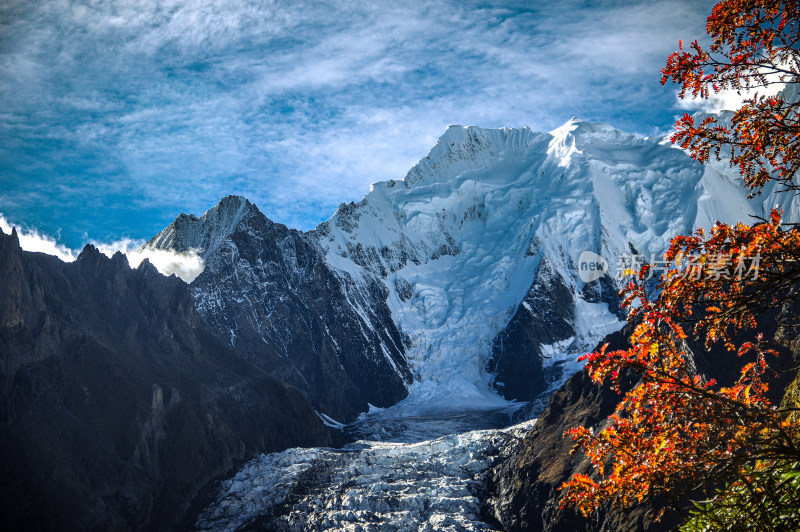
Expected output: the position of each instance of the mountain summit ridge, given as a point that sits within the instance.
(190, 233)
(464, 257)
(461, 242)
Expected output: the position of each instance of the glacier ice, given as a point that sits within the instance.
(368, 485)
(459, 241)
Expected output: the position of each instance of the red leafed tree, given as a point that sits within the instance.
(755, 45)
(677, 432)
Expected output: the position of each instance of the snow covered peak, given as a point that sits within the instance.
(204, 234)
(459, 247)
(567, 127)
(596, 139)
(461, 148)
(453, 133)
(461, 241)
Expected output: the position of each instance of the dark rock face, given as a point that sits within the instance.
(524, 488)
(116, 403)
(545, 316)
(267, 291)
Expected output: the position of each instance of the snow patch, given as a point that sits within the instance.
(330, 422)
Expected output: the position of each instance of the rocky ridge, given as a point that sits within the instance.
(117, 404)
(267, 291)
(523, 489)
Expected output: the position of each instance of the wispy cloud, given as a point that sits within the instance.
(187, 266)
(120, 115)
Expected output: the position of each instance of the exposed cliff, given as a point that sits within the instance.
(116, 403)
(524, 488)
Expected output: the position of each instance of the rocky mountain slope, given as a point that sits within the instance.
(117, 404)
(267, 292)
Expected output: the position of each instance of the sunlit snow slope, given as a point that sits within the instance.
(460, 240)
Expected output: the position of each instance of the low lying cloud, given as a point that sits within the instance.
(187, 266)
(32, 240)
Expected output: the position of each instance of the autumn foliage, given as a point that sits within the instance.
(678, 432)
(755, 45)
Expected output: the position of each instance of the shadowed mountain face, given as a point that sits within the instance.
(116, 403)
(267, 291)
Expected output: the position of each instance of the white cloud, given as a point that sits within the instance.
(732, 100)
(726, 100)
(32, 240)
(187, 266)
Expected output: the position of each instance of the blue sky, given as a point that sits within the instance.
(116, 116)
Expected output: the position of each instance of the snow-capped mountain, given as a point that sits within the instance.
(465, 271)
(478, 247)
(463, 275)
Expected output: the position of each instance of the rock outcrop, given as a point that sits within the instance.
(117, 404)
(524, 488)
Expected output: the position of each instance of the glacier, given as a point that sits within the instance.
(459, 241)
(481, 234)
(365, 486)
